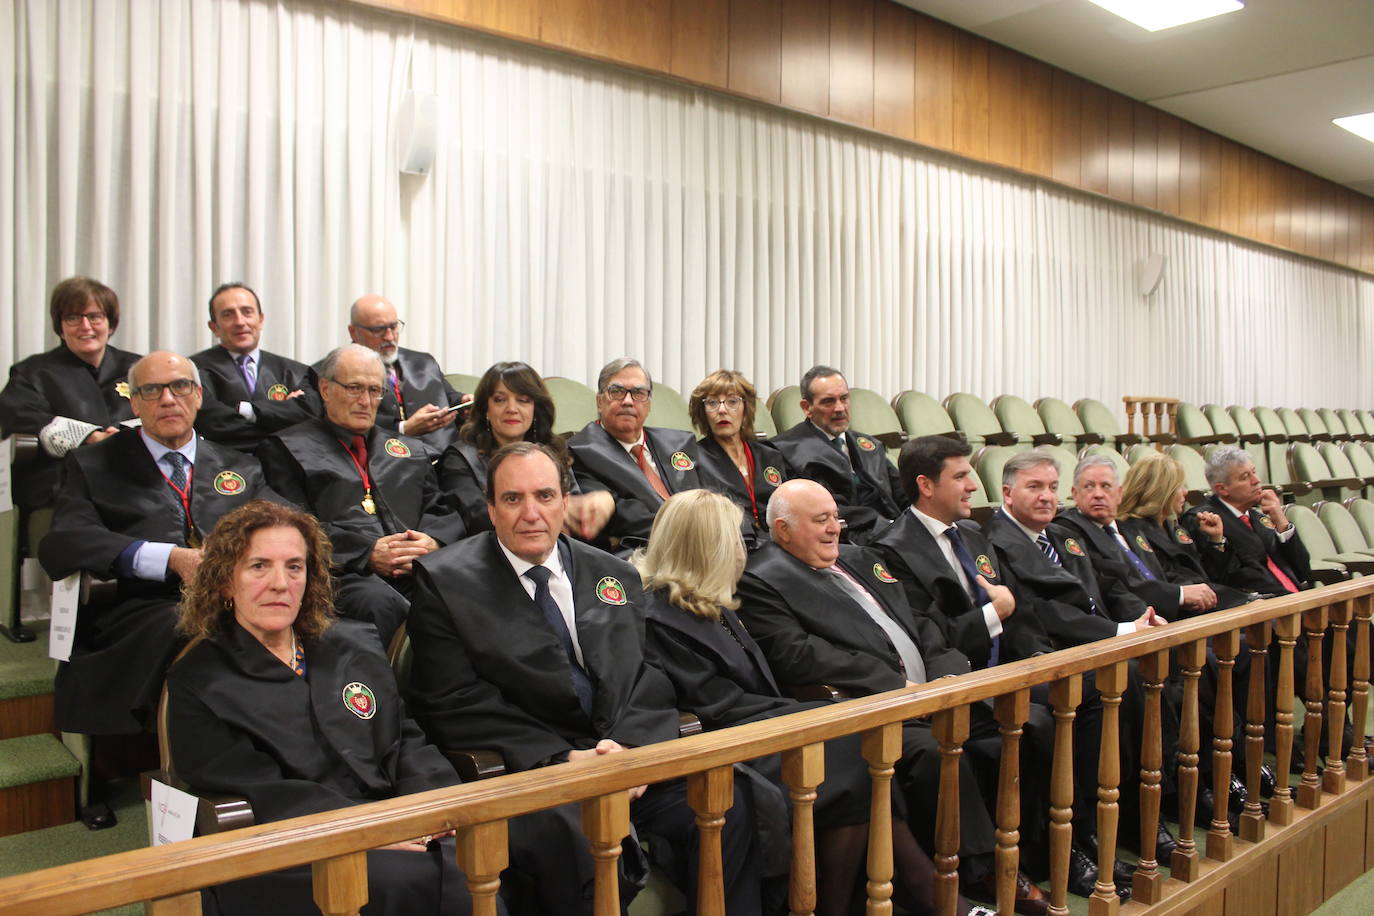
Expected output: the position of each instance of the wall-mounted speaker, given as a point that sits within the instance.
(1151, 272)
(416, 123)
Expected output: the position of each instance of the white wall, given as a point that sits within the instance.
(576, 213)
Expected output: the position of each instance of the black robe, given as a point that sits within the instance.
(463, 481)
(219, 419)
(112, 495)
(868, 494)
(1181, 558)
(59, 384)
(1105, 553)
(422, 382)
(770, 470)
(1247, 568)
(932, 588)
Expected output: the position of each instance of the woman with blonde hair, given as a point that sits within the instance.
(689, 570)
(1152, 496)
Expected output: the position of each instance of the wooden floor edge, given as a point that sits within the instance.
(1181, 897)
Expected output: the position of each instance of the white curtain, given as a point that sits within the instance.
(576, 213)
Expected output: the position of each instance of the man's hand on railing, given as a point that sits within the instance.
(603, 747)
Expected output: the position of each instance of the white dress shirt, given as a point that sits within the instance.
(560, 587)
(150, 560)
(938, 530)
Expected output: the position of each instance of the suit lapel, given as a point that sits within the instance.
(676, 467)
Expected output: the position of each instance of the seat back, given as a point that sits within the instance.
(1335, 425)
(988, 462)
(1293, 426)
(1345, 532)
(668, 409)
(1305, 463)
(1096, 418)
(763, 420)
(921, 415)
(785, 406)
(1314, 535)
(1222, 424)
(973, 418)
(870, 413)
(1316, 426)
(573, 402)
(1193, 425)
(1138, 451)
(464, 383)
(1018, 417)
(1366, 419)
(1246, 424)
(1059, 417)
(1360, 462)
(1354, 429)
(1194, 470)
(401, 657)
(1271, 425)
(1067, 462)
(1362, 510)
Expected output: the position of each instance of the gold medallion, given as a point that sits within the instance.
(369, 506)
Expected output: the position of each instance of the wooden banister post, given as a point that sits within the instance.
(1111, 684)
(710, 793)
(606, 822)
(1286, 631)
(482, 854)
(1145, 885)
(1065, 695)
(803, 769)
(1333, 777)
(180, 905)
(1226, 646)
(1130, 418)
(1252, 818)
(951, 731)
(1357, 763)
(340, 884)
(1310, 789)
(1012, 710)
(881, 747)
(1183, 864)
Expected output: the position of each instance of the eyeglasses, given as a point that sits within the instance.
(152, 391)
(731, 403)
(95, 319)
(380, 329)
(618, 392)
(355, 391)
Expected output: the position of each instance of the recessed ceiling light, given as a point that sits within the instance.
(1154, 15)
(1361, 125)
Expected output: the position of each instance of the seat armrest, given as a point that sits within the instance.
(1086, 438)
(1047, 439)
(1128, 439)
(1002, 438)
(815, 692)
(1329, 576)
(1196, 497)
(687, 724)
(892, 440)
(1363, 567)
(956, 435)
(1201, 440)
(475, 764)
(1251, 438)
(215, 812)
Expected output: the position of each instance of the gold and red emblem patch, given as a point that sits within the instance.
(1143, 544)
(1072, 547)
(122, 389)
(681, 461)
(229, 483)
(985, 566)
(360, 700)
(1266, 521)
(610, 591)
(882, 574)
(866, 443)
(1182, 536)
(772, 475)
(278, 392)
(396, 448)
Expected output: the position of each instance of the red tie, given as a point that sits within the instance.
(649, 473)
(1274, 570)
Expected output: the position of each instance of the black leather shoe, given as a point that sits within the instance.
(1030, 899)
(1268, 781)
(98, 816)
(1164, 843)
(1082, 872)
(1121, 872)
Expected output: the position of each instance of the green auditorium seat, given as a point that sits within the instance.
(1367, 421)
(1354, 428)
(1350, 481)
(1020, 419)
(785, 406)
(1194, 428)
(1194, 471)
(574, 404)
(1138, 451)
(922, 415)
(1335, 425)
(1096, 418)
(988, 461)
(1345, 532)
(1271, 425)
(1222, 424)
(1362, 463)
(1059, 417)
(1067, 462)
(1306, 467)
(1122, 465)
(1292, 423)
(1317, 430)
(764, 427)
(977, 421)
(1246, 424)
(1328, 563)
(983, 501)
(668, 409)
(870, 413)
(1362, 510)
(464, 383)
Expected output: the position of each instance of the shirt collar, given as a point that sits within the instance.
(1234, 511)
(629, 446)
(157, 449)
(255, 355)
(829, 437)
(1024, 530)
(554, 563)
(933, 525)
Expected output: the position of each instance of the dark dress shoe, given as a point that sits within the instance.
(1082, 872)
(1164, 842)
(1030, 899)
(1268, 781)
(98, 816)
(1121, 872)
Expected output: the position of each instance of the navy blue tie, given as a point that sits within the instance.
(1138, 563)
(980, 594)
(582, 684)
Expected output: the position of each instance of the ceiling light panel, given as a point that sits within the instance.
(1155, 15)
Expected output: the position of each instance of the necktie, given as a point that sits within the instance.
(838, 443)
(1274, 570)
(1135, 561)
(178, 479)
(649, 473)
(250, 374)
(543, 598)
(359, 450)
(907, 650)
(1048, 550)
(976, 591)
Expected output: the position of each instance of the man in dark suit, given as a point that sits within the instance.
(376, 493)
(826, 613)
(852, 466)
(639, 466)
(533, 644)
(1132, 562)
(1268, 556)
(947, 567)
(417, 401)
(250, 393)
(134, 508)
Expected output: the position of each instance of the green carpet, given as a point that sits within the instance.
(34, 758)
(25, 669)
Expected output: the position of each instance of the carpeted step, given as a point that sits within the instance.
(26, 678)
(37, 784)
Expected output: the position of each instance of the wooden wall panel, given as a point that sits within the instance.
(851, 61)
(1300, 875)
(1344, 849)
(894, 70)
(1254, 892)
(878, 65)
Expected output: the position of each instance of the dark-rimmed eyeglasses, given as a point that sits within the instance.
(95, 319)
(356, 391)
(730, 403)
(618, 392)
(152, 391)
(380, 329)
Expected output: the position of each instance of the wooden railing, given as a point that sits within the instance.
(335, 842)
(1160, 409)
